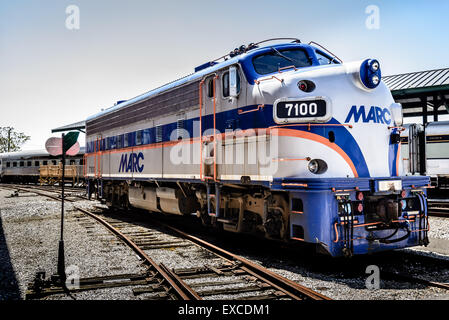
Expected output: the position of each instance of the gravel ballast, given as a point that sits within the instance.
(30, 230)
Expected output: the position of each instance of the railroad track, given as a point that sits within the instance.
(390, 275)
(163, 282)
(224, 276)
(45, 191)
(439, 207)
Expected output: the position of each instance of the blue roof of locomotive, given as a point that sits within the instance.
(244, 57)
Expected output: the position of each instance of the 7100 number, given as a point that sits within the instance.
(302, 109)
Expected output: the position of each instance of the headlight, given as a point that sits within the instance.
(375, 80)
(370, 74)
(313, 166)
(374, 65)
(317, 166)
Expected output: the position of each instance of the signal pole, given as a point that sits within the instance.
(61, 256)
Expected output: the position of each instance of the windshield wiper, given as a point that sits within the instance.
(281, 55)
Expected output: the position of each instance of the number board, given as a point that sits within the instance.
(301, 109)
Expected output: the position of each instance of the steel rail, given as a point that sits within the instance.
(36, 192)
(182, 289)
(289, 287)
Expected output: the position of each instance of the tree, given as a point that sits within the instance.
(11, 140)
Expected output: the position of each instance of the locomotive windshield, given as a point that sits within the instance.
(271, 62)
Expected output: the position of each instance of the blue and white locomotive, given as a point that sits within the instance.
(282, 140)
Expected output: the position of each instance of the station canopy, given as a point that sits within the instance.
(422, 94)
(80, 126)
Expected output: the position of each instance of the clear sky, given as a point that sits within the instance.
(52, 76)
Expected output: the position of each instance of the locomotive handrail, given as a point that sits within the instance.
(259, 107)
(215, 131)
(244, 49)
(399, 128)
(288, 67)
(201, 127)
(270, 78)
(304, 185)
(287, 159)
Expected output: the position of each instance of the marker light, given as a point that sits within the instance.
(360, 196)
(403, 204)
(302, 85)
(360, 207)
(306, 85)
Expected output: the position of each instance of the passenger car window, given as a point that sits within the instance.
(274, 60)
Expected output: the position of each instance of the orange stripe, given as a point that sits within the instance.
(319, 139)
(276, 131)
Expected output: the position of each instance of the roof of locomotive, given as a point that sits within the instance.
(247, 56)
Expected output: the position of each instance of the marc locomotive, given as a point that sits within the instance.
(278, 139)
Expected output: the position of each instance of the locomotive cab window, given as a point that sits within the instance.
(274, 60)
(36, 163)
(22, 163)
(210, 87)
(324, 59)
(29, 164)
(230, 82)
(8, 164)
